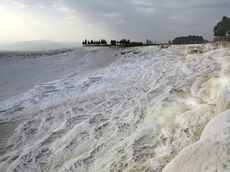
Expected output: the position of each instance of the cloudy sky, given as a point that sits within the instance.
(74, 20)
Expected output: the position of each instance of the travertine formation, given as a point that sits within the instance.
(145, 111)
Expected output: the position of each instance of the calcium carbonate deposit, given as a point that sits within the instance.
(91, 109)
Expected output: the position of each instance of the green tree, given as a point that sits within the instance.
(222, 27)
(188, 40)
(113, 42)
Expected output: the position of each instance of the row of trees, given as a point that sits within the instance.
(103, 42)
(128, 43)
(92, 42)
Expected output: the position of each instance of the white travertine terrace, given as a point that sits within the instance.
(144, 111)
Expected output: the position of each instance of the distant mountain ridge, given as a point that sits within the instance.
(37, 45)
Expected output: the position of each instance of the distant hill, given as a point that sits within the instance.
(37, 45)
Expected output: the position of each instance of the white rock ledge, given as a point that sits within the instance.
(211, 153)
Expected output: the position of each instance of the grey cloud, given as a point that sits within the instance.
(37, 2)
(139, 19)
